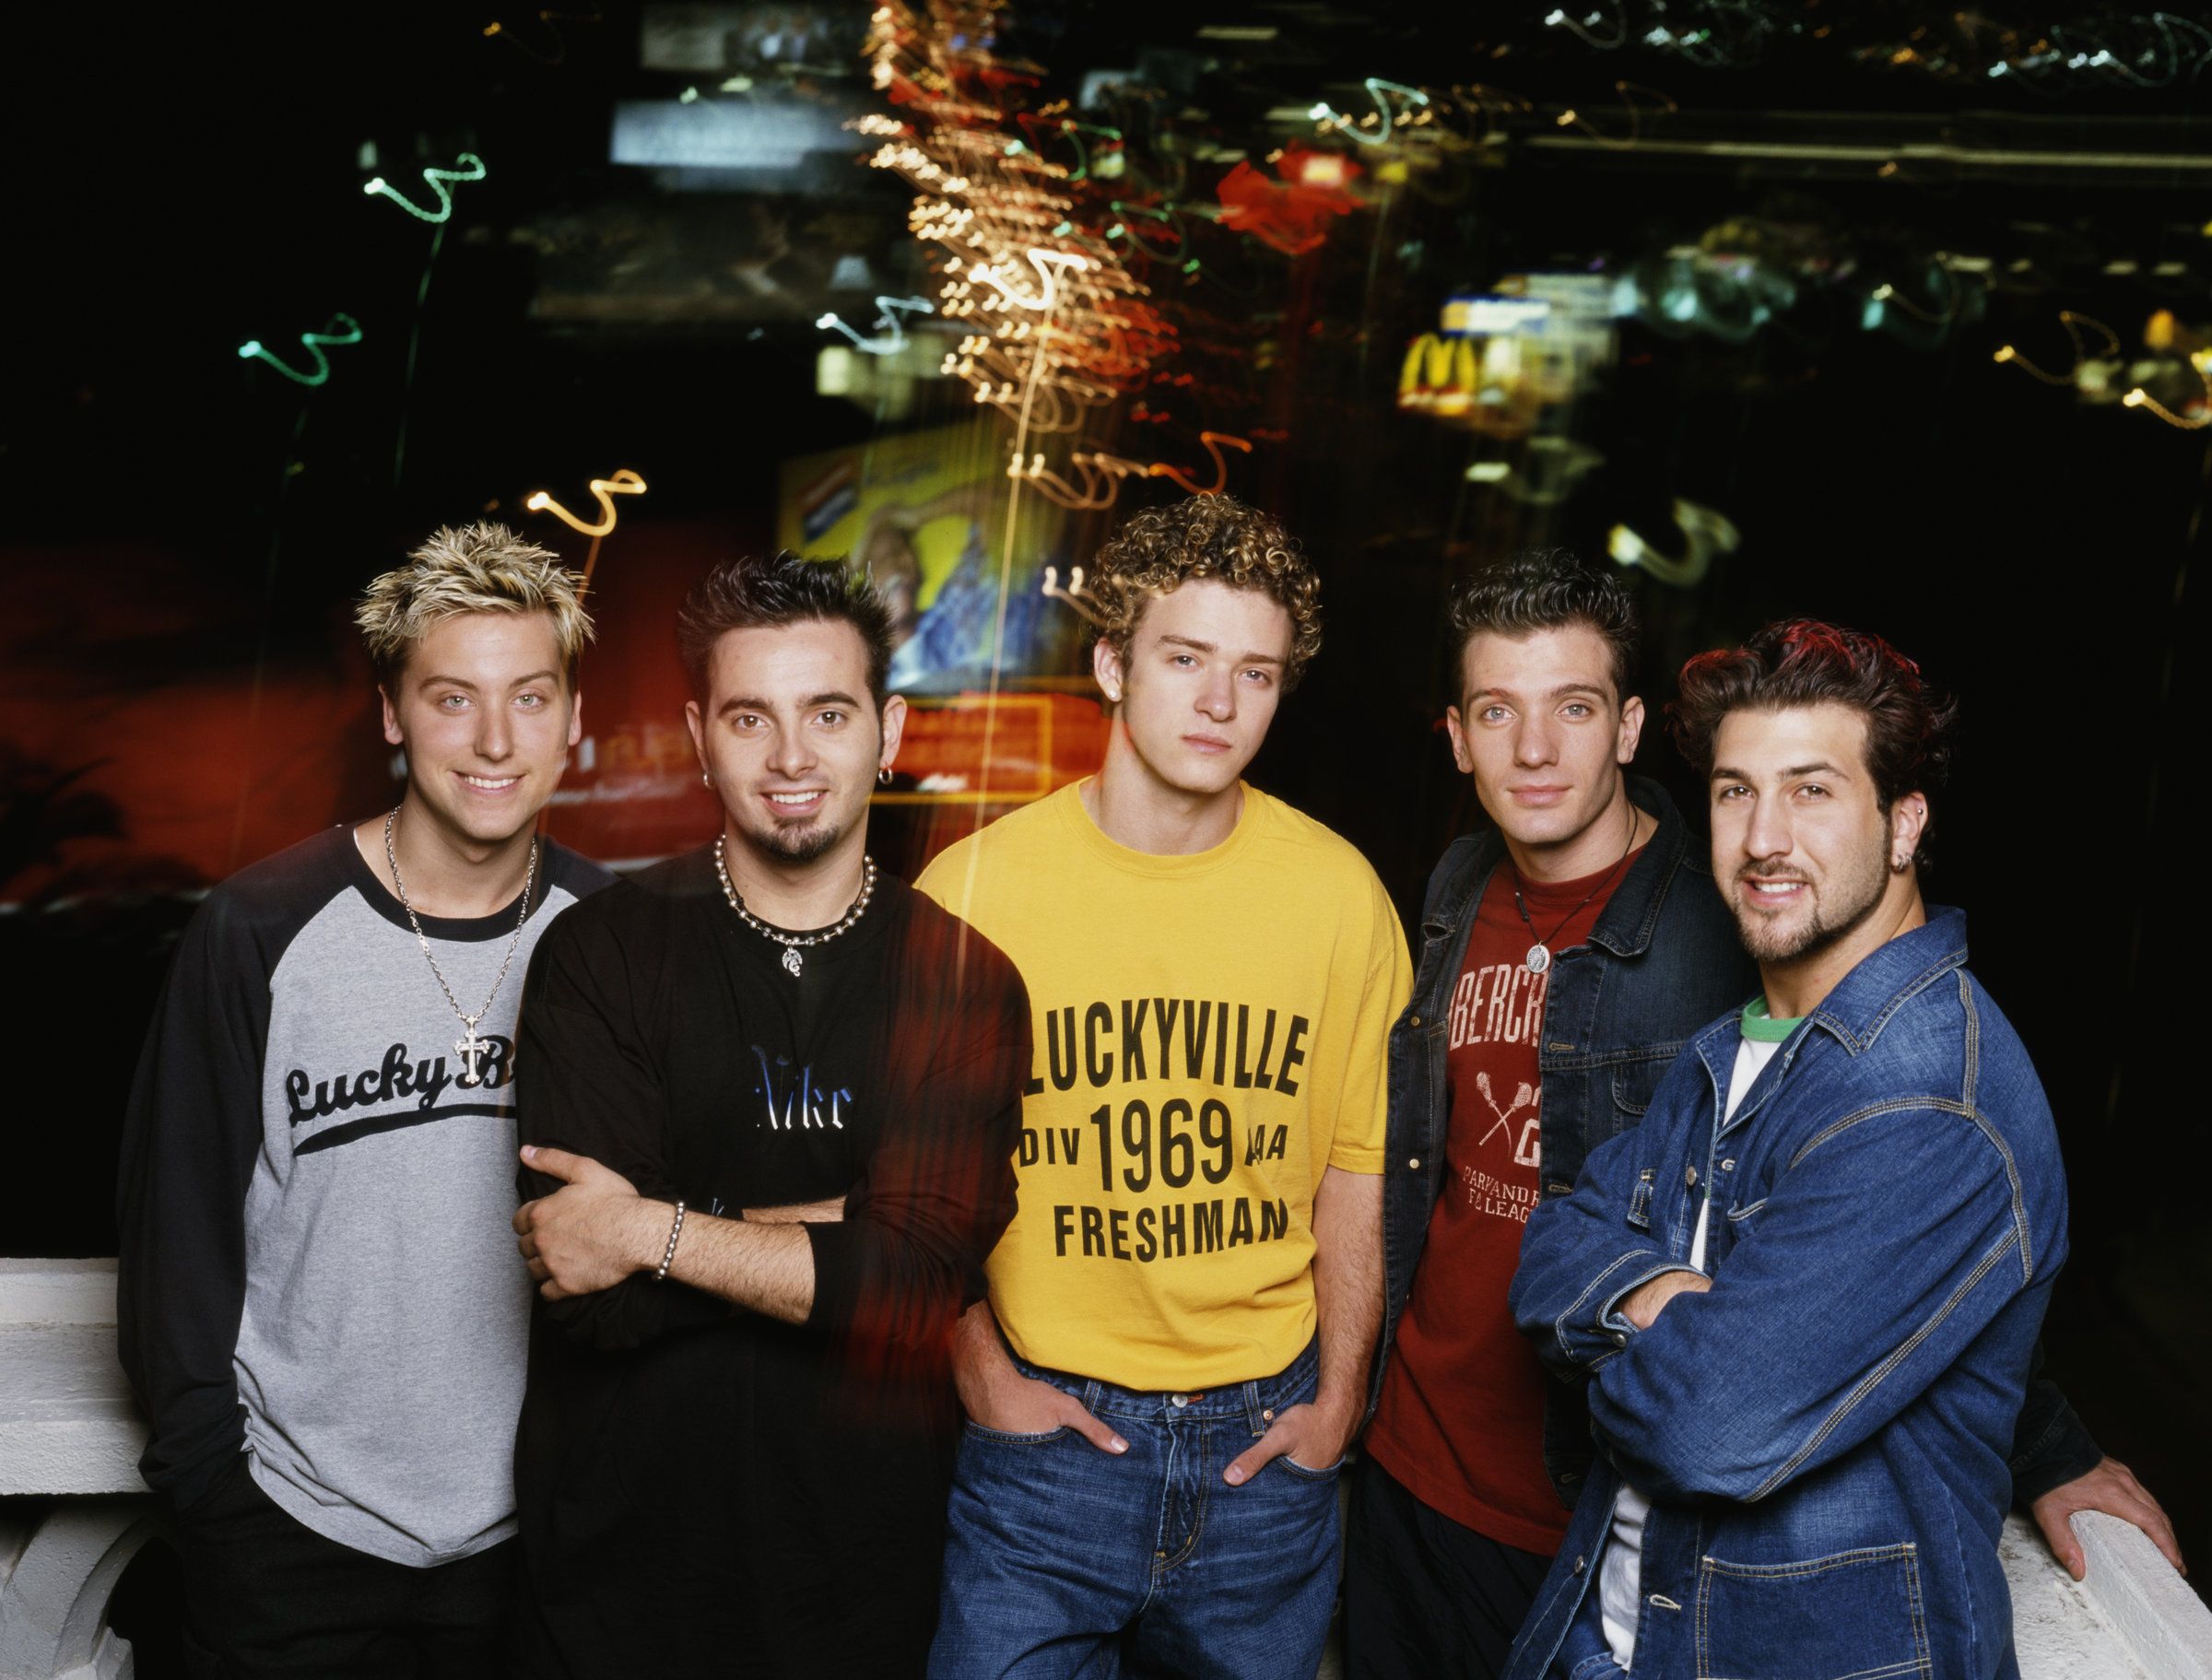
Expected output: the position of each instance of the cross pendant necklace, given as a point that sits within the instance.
(472, 1046)
(469, 1049)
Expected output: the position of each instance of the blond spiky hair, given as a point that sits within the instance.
(483, 568)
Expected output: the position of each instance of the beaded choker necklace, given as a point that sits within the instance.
(794, 964)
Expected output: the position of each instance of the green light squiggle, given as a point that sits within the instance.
(342, 329)
(435, 179)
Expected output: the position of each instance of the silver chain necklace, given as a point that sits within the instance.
(469, 1046)
(794, 964)
(1539, 953)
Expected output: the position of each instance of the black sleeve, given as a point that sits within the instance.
(890, 1279)
(2051, 1445)
(585, 1082)
(190, 1134)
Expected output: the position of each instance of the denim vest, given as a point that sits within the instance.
(1663, 960)
(1823, 1435)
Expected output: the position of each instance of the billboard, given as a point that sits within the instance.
(962, 561)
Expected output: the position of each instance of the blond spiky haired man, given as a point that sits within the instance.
(320, 1309)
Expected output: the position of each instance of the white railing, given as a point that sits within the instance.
(70, 1439)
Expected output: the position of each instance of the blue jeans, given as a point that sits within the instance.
(1065, 1561)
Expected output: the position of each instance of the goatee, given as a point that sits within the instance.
(794, 845)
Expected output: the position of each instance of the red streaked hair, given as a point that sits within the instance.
(1803, 661)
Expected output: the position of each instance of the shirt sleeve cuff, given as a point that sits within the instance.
(837, 1265)
(1609, 1315)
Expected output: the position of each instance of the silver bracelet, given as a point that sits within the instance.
(674, 1231)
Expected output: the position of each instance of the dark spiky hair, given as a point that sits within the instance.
(1546, 589)
(748, 592)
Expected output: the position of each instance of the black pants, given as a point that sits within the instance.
(1426, 1598)
(266, 1596)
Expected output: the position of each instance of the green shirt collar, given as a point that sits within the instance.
(1762, 1027)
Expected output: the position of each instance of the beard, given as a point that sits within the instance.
(1839, 907)
(793, 845)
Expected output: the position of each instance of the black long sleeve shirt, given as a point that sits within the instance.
(794, 1475)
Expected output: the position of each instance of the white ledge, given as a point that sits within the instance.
(68, 1423)
(2136, 1594)
(43, 1292)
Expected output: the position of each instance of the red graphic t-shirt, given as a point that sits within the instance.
(1461, 1422)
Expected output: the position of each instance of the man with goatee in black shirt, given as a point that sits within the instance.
(773, 1100)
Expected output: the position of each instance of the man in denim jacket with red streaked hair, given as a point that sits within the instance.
(1807, 1289)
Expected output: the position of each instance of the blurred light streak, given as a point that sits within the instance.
(2072, 324)
(1085, 605)
(1709, 532)
(1213, 441)
(1329, 117)
(342, 329)
(889, 335)
(435, 179)
(604, 491)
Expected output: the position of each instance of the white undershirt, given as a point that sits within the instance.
(1619, 1566)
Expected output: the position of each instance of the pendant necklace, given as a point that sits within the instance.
(469, 1047)
(794, 964)
(1539, 953)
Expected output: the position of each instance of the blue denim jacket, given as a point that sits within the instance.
(1663, 960)
(1824, 1433)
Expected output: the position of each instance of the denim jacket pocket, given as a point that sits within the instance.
(1635, 1083)
(1852, 1615)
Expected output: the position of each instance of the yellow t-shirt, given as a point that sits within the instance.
(1210, 1034)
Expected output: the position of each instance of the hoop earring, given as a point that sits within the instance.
(883, 776)
(706, 778)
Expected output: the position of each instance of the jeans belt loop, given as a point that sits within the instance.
(1091, 1396)
(1255, 1413)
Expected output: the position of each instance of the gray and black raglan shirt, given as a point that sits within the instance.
(317, 1262)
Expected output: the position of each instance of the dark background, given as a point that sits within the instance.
(181, 523)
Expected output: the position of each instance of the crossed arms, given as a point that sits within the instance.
(1885, 1250)
(889, 1263)
(596, 1231)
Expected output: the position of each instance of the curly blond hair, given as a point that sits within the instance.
(483, 568)
(1207, 536)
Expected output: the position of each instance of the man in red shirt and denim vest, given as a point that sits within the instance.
(1455, 1518)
